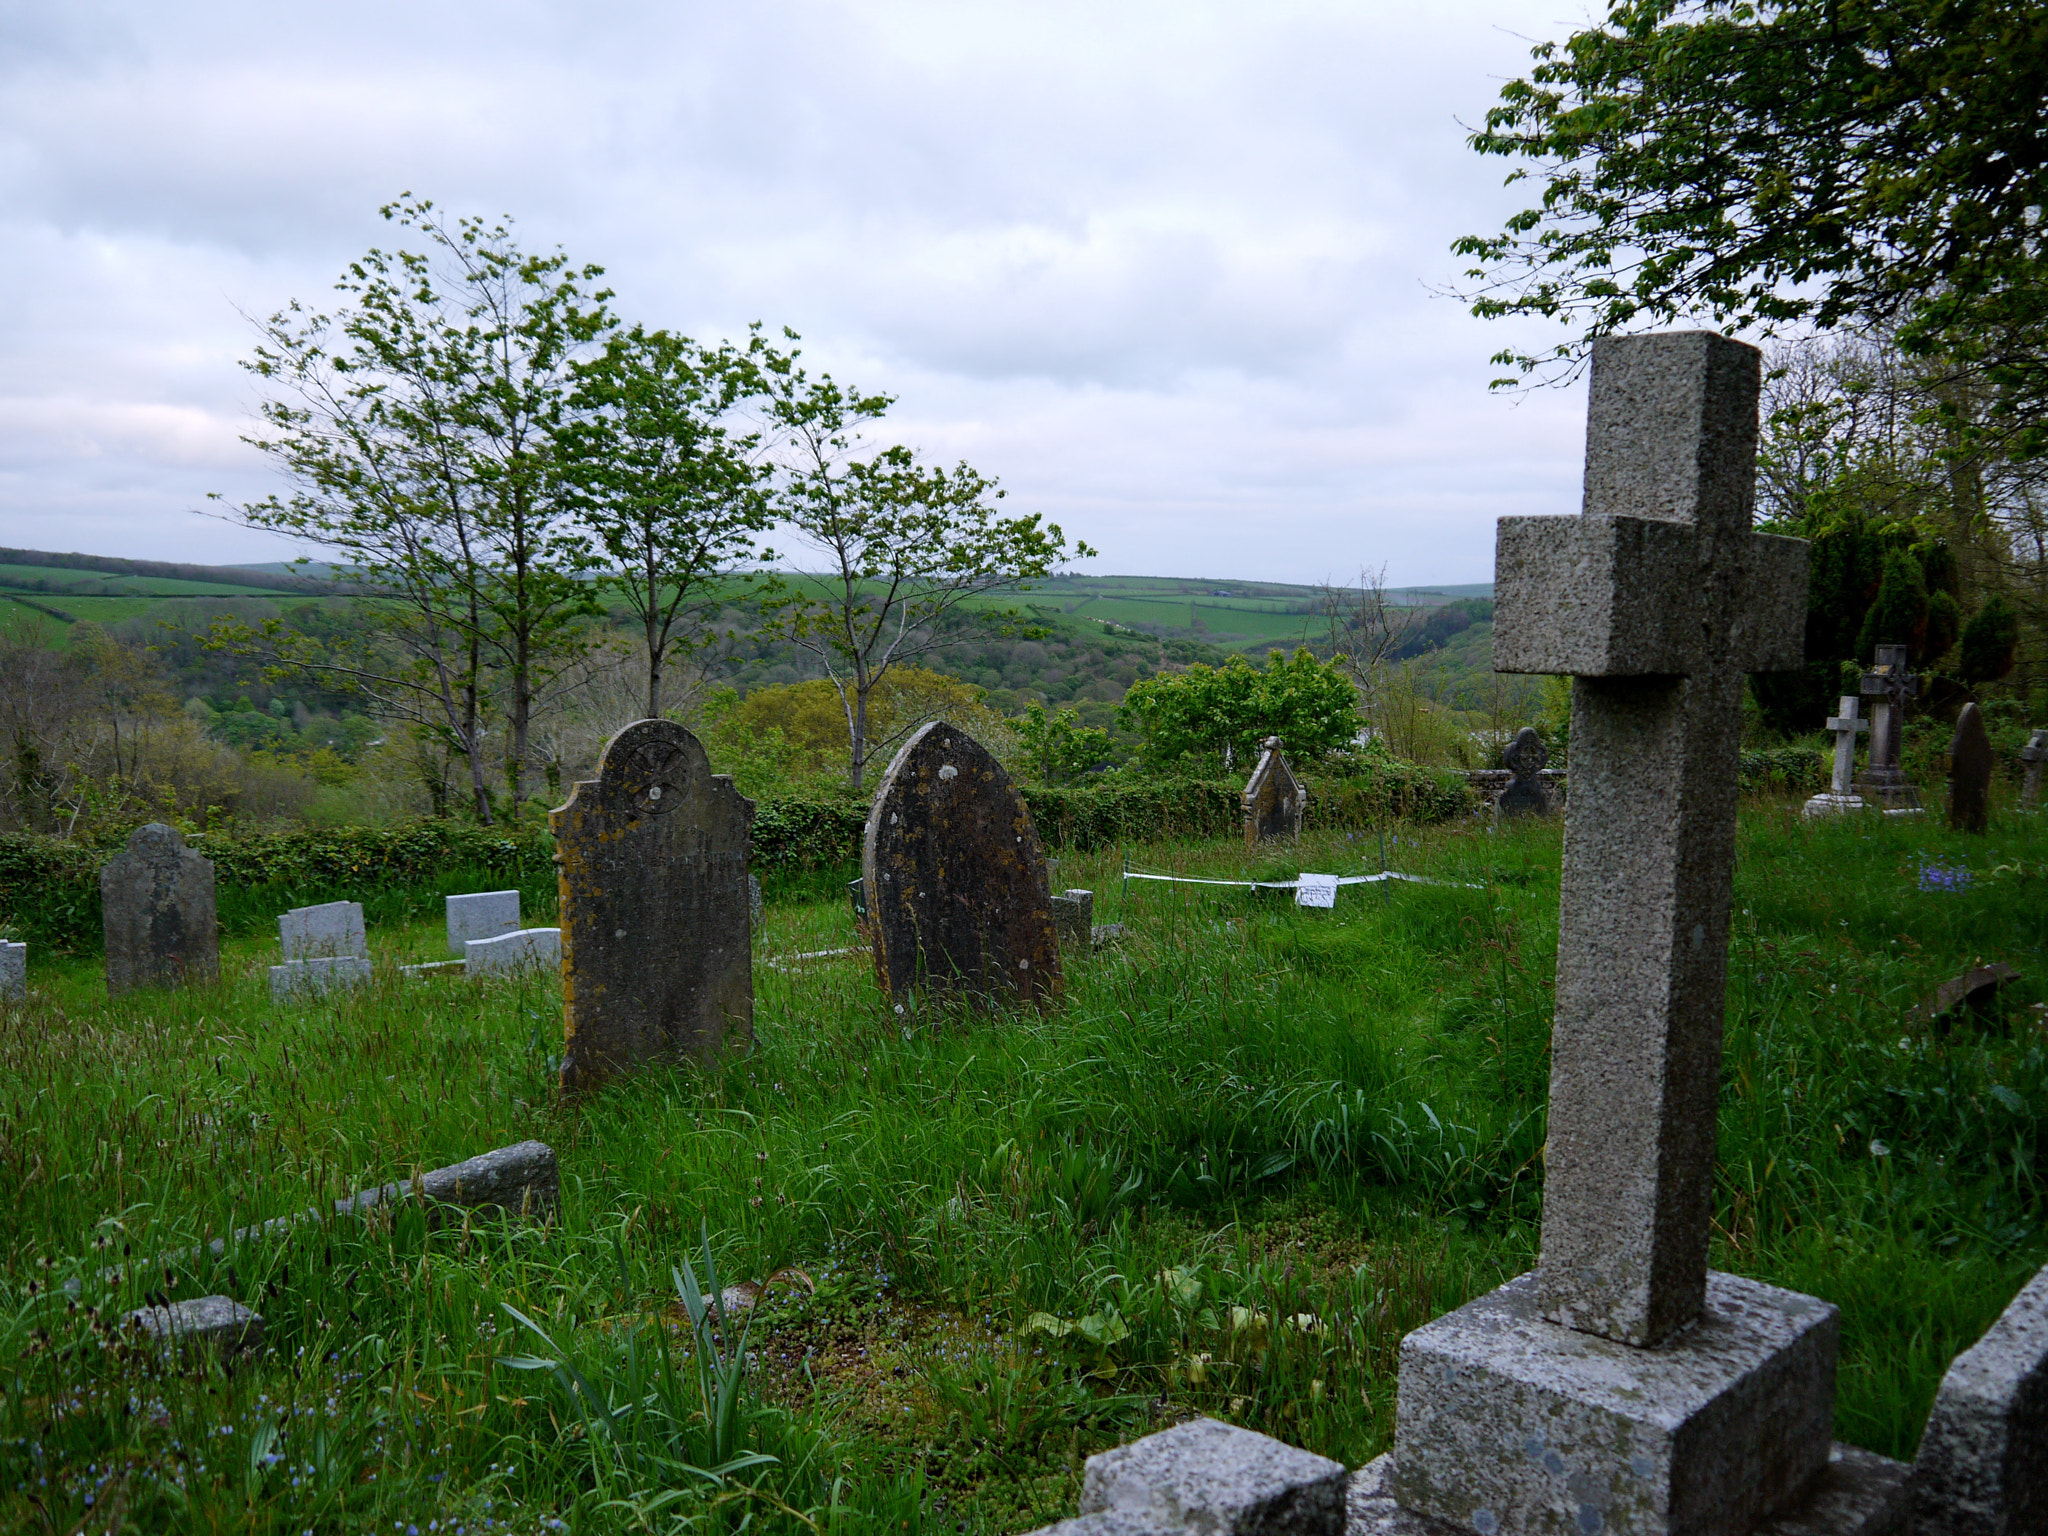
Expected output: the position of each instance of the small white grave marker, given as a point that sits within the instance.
(1316, 891)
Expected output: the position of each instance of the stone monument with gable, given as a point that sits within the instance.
(1969, 773)
(1275, 801)
(1621, 1385)
(1888, 685)
(1841, 792)
(158, 905)
(657, 953)
(956, 884)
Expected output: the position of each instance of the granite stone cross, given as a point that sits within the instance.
(1656, 601)
(1846, 727)
(1888, 685)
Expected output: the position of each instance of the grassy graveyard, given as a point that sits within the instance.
(1255, 1146)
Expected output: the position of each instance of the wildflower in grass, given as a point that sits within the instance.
(1944, 877)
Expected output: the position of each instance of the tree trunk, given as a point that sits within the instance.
(858, 769)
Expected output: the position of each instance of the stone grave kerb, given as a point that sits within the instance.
(656, 940)
(1274, 799)
(159, 905)
(1619, 1386)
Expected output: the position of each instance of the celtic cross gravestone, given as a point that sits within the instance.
(1888, 685)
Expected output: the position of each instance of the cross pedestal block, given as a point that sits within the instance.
(1509, 1423)
(1831, 805)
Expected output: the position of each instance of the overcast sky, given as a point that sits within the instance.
(1164, 269)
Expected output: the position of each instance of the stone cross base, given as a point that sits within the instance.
(1509, 1422)
(1889, 787)
(1831, 805)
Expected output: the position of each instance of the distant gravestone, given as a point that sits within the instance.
(1841, 794)
(157, 900)
(1073, 918)
(657, 953)
(1969, 773)
(1528, 795)
(955, 877)
(2035, 755)
(1274, 799)
(13, 971)
(324, 948)
(525, 948)
(1888, 685)
(481, 915)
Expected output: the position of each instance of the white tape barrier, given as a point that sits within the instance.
(1295, 884)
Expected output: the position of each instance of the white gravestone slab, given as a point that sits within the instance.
(540, 948)
(1841, 795)
(481, 915)
(318, 976)
(1315, 891)
(330, 931)
(13, 971)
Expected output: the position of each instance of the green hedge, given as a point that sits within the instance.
(1787, 770)
(50, 895)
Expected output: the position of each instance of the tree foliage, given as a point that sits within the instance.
(1211, 718)
(1809, 162)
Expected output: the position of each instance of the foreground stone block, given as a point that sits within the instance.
(13, 971)
(1511, 1423)
(206, 1322)
(480, 915)
(534, 948)
(1210, 1479)
(316, 978)
(158, 911)
(1983, 1463)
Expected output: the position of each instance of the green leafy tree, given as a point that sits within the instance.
(1817, 162)
(1058, 747)
(421, 424)
(901, 546)
(1214, 718)
(1990, 641)
(672, 479)
(1899, 614)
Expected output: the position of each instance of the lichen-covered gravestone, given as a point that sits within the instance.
(1528, 795)
(1969, 773)
(657, 953)
(1274, 799)
(157, 899)
(957, 895)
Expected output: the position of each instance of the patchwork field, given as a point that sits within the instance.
(1255, 1147)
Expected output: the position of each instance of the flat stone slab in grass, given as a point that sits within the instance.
(957, 895)
(316, 978)
(523, 1179)
(332, 930)
(657, 946)
(211, 1322)
(481, 915)
(533, 948)
(1974, 989)
(157, 906)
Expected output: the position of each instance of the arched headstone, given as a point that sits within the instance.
(157, 900)
(1969, 773)
(1528, 795)
(656, 955)
(957, 900)
(1274, 799)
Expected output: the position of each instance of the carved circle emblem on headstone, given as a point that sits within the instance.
(1526, 754)
(654, 775)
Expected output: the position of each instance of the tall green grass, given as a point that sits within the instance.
(1254, 1147)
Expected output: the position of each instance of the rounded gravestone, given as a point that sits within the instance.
(1969, 773)
(957, 898)
(1528, 795)
(657, 958)
(158, 905)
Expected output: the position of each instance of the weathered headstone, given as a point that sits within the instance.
(157, 901)
(1073, 918)
(1841, 795)
(528, 948)
(2035, 755)
(1528, 795)
(13, 971)
(324, 948)
(481, 915)
(1969, 773)
(1888, 685)
(956, 880)
(1619, 1386)
(657, 956)
(1274, 799)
